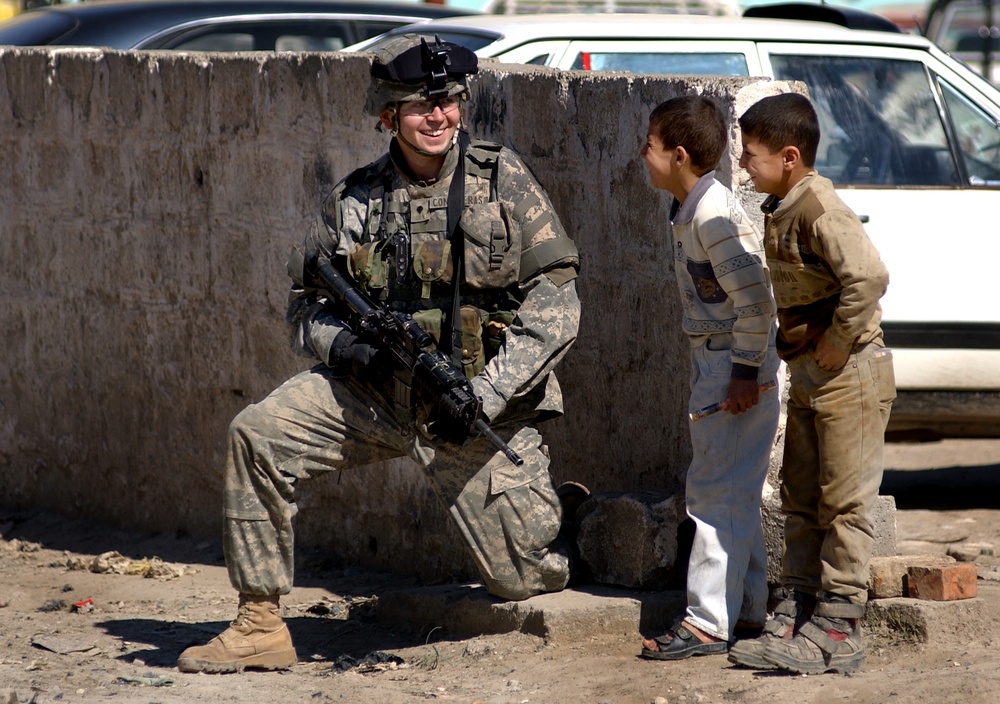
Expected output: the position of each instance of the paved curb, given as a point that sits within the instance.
(570, 616)
(579, 614)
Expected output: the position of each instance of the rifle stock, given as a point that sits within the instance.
(411, 348)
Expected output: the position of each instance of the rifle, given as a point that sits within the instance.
(412, 349)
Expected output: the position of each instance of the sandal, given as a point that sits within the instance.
(680, 642)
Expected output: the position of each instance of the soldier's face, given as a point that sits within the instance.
(430, 125)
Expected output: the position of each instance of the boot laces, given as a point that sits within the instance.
(242, 616)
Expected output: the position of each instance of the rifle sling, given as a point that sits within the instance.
(456, 197)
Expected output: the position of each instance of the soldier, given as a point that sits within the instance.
(458, 233)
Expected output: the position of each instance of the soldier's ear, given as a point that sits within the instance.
(386, 119)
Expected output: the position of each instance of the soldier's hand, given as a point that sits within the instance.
(444, 427)
(346, 349)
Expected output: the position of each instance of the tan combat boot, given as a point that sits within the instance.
(257, 638)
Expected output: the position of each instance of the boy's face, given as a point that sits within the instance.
(660, 162)
(767, 170)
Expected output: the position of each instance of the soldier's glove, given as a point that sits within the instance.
(347, 350)
(442, 426)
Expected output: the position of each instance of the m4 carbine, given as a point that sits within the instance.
(412, 349)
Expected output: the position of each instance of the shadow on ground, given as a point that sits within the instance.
(948, 488)
(316, 639)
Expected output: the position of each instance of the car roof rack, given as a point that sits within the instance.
(844, 16)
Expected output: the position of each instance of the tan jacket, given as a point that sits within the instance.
(826, 274)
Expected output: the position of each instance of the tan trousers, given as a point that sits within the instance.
(832, 469)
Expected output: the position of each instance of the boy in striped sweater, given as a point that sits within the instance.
(729, 316)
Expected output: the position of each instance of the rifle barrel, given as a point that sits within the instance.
(498, 443)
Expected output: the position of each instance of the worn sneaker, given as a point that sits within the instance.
(829, 642)
(792, 611)
(256, 639)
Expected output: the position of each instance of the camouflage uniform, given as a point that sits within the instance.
(520, 314)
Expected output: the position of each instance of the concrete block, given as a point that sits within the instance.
(942, 583)
(631, 540)
(580, 614)
(888, 573)
(905, 620)
(570, 616)
(638, 540)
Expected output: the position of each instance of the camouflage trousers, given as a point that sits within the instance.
(315, 423)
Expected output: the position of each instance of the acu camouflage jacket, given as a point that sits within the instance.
(520, 311)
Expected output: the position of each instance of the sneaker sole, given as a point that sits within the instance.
(844, 665)
(753, 661)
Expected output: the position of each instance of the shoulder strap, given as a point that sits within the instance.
(456, 202)
(484, 162)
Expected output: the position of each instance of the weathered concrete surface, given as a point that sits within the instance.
(573, 615)
(149, 203)
(632, 539)
(642, 540)
(919, 621)
(579, 614)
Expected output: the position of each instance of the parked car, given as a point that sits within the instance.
(969, 30)
(214, 25)
(911, 138)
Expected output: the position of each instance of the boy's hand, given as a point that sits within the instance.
(743, 395)
(828, 357)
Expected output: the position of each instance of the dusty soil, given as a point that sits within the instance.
(144, 611)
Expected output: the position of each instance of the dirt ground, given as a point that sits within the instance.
(69, 633)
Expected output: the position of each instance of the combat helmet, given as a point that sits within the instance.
(411, 68)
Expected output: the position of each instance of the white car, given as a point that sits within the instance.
(911, 138)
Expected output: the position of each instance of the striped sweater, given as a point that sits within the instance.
(720, 269)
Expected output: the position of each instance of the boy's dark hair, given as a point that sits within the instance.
(784, 120)
(695, 123)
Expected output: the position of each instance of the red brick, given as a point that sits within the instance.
(887, 575)
(941, 582)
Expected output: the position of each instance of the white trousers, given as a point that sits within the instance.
(727, 572)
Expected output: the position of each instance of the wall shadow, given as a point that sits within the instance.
(949, 488)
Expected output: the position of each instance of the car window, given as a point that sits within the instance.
(978, 137)
(260, 35)
(720, 64)
(305, 42)
(216, 41)
(366, 29)
(879, 121)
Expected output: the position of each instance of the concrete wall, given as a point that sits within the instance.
(149, 201)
